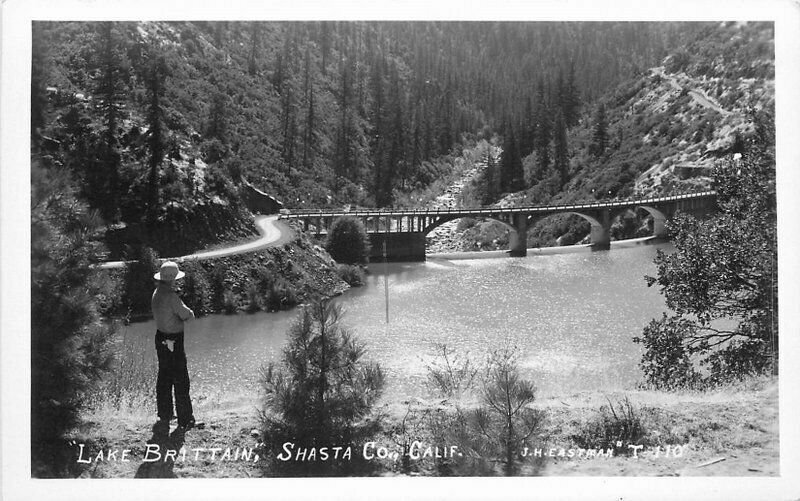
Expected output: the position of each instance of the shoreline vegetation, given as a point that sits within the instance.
(731, 430)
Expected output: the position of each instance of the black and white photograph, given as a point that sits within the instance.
(390, 246)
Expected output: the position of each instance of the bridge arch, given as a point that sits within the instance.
(599, 223)
(659, 220)
(447, 218)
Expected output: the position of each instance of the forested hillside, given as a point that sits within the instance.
(159, 122)
(656, 132)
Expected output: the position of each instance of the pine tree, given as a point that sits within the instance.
(70, 345)
(528, 129)
(599, 132)
(255, 39)
(511, 174)
(570, 99)
(155, 74)
(490, 180)
(110, 96)
(322, 393)
(396, 156)
(543, 132)
(560, 148)
(378, 143)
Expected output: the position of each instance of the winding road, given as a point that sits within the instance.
(698, 96)
(272, 233)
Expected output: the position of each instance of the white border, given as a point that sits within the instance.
(15, 248)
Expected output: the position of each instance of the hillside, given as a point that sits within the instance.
(159, 123)
(659, 132)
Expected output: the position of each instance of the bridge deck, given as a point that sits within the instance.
(304, 213)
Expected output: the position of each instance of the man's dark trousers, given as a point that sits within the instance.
(172, 372)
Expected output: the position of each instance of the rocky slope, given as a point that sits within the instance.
(449, 237)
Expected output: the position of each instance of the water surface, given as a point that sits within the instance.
(571, 316)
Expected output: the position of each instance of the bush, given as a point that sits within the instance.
(281, 295)
(614, 429)
(353, 275)
(666, 362)
(449, 374)
(498, 430)
(348, 242)
(195, 289)
(230, 303)
(253, 298)
(263, 277)
(505, 421)
(219, 294)
(321, 395)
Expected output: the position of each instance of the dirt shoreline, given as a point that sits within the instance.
(730, 431)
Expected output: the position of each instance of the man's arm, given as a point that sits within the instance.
(183, 311)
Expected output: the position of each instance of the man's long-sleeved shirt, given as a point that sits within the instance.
(169, 311)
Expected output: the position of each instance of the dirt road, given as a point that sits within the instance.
(273, 233)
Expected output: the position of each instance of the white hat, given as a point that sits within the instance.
(169, 271)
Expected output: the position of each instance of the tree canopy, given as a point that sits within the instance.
(721, 280)
(348, 242)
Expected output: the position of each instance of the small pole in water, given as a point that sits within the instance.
(385, 280)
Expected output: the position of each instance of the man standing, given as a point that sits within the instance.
(170, 313)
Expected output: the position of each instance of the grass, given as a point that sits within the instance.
(738, 421)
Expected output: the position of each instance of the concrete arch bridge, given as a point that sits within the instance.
(404, 230)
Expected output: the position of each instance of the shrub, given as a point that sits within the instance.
(466, 223)
(505, 420)
(216, 281)
(130, 381)
(348, 242)
(281, 295)
(322, 393)
(614, 428)
(666, 363)
(195, 288)
(253, 298)
(353, 275)
(449, 374)
(263, 277)
(230, 303)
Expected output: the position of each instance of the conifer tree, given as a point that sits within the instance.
(543, 132)
(511, 174)
(70, 345)
(110, 89)
(570, 99)
(322, 393)
(560, 148)
(255, 40)
(155, 75)
(599, 132)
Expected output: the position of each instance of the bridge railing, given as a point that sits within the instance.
(300, 213)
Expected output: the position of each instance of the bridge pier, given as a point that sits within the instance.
(518, 240)
(601, 231)
(403, 247)
(659, 226)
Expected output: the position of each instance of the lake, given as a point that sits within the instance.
(571, 315)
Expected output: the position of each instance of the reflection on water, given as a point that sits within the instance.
(571, 315)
